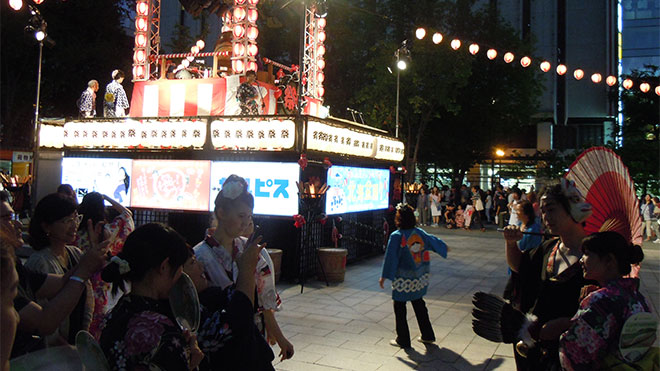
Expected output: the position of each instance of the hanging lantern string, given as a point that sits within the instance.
(184, 55)
(526, 61)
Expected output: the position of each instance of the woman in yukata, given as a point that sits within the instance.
(406, 264)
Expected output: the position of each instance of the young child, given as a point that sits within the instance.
(219, 251)
(407, 266)
(459, 216)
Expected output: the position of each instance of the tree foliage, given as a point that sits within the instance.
(90, 42)
(640, 149)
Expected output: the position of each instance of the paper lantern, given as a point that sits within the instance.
(239, 31)
(239, 2)
(644, 87)
(200, 44)
(657, 90)
(474, 49)
(455, 44)
(190, 58)
(420, 33)
(142, 8)
(627, 84)
(437, 38)
(545, 66)
(239, 14)
(253, 2)
(321, 36)
(610, 80)
(252, 50)
(194, 49)
(239, 50)
(140, 56)
(578, 74)
(596, 78)
(561, 69)
(185, 63)
(140, 40)
(320, 91)
(252, 15)
(141, 24)
(320, 64)
(252, 66)
(16, 4)
(252, 33)
(321, 22)
(525, 61)
(38, 1)
(320, 77)
(321, 50)
(491, 54)
(508, 57)
(238, 66)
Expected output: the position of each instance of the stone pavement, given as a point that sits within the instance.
(348, 326)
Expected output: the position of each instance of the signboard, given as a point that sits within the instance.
(355, 189)
(171, 184)
(108, 176)
(273, 184)
(257, 135)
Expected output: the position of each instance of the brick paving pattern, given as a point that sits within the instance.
(348, 326)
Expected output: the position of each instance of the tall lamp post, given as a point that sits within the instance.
(401, 65)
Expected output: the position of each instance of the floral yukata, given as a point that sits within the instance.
(116, 101)
(141, 333)
(245, 95)
(118, 231)
(222, 270)
(596, 327)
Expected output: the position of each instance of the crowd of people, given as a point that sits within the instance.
(92, 270)
(578, 291)
(467, 207)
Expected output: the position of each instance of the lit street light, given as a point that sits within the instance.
(401, 64)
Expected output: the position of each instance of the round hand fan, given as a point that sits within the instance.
(604, 181)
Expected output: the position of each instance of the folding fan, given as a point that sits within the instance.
(603, 179)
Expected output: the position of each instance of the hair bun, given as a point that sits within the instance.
(636, 254)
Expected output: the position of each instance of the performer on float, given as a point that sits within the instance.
(87, 100)
(248, 95)
(116, 102)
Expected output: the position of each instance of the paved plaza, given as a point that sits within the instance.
(348, 326)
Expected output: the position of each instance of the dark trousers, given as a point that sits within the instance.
(422, 315)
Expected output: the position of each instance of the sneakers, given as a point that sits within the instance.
(394, 343)
(657, 240)
(419, 338)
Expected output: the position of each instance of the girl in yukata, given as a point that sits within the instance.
(591, 340)
(406, 264)
(115, 100)
(218, 254)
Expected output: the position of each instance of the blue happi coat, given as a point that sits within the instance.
(407, 262)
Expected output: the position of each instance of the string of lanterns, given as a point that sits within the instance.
(544, 65)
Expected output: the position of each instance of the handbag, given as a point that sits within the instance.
(479, 205)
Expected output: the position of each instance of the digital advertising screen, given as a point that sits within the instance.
(273, 184)
(109, 176)
(171, 184)
(355, 189)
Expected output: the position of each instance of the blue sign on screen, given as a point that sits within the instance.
(355, 189)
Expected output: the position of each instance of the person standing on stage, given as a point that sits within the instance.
(115, 102)
(248, 95)
(87, 101)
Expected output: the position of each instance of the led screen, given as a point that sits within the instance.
(355, 189)
(273, 184)
(109, 176)
(171, 184)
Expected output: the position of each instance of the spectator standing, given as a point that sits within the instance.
(423, 204)
(489, 206)
(436, 208)
(647, 216)
(515, 199)
(655, 218)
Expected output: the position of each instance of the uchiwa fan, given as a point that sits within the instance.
(604, 181)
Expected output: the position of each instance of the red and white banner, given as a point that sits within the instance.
(194, 97)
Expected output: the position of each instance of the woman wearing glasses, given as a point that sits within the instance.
(53, 230)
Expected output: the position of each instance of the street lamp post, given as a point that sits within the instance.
(398, 72)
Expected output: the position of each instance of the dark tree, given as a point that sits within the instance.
(90, 42)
